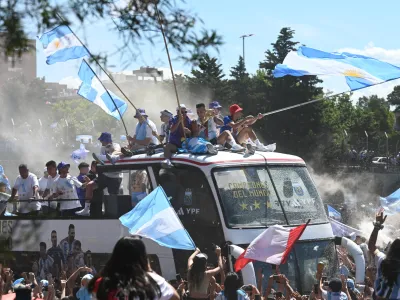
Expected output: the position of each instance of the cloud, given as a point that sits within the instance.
(389, 55)
(71, 82)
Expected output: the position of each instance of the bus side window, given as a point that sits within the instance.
(139, 185)
(190, 194)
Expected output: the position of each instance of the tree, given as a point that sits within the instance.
(181, 26)
(294, 130)
(240, 84)
(394, 97)
(207, 82)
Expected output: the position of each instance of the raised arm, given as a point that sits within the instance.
(378, 225)
(190, 260)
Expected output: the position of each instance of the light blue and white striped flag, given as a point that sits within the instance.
(360, 71)
(154, 218)
(93, 90)
(334, 214)
(391, 203)
(60, 44)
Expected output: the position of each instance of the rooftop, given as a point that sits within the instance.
(222, 158)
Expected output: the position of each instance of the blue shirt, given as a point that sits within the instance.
(176, 136)
(83, 294)
(141, 131)
(227, 120)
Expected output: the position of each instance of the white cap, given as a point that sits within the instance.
(181, 106)
(88, 277)
(353, 236)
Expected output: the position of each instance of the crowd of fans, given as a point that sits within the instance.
(128, 275)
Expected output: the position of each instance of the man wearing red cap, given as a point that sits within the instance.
(241, 129)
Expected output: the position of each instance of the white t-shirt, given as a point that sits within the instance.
(25, 192)
(211, 128)
(68, 186)
(50, 187)
(42, 184)
(379, 256)
(166, 290)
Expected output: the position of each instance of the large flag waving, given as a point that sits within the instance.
(60, 44)
(360, 71)
(154, 218)
(93, 90)
(273, 246)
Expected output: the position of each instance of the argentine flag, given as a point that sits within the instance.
(93, 90)
(360, 71)
(60, 44)
(391, 203)
(154, 218)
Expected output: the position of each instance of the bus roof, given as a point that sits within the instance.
(224, 158)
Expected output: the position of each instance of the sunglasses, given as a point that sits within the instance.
(183, 112)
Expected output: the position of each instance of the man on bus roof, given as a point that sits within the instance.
(240, 127)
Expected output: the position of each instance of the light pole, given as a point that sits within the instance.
(243, 37)
(366, 135)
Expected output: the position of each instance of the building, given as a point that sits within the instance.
(25, 65)
(56, 91)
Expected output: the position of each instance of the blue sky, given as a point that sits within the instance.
(366, 28)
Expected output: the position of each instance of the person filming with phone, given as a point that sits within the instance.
(199, 278)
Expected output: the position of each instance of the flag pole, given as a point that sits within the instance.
(172, 70)
(105, 72)
(320, 99)
(112, 99)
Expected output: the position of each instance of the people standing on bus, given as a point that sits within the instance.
(177, 134)
(26, 185)
(43, 182)
(45, 262)
(165, 118)
(57, 255)
(208, 122)
(47, 205)
(65, 189)
(110, 180)
(198, 276)
(83, 171)
(241, 128)
(67, 245)
(127, 275)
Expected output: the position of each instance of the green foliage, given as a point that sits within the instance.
(207, 82)
(182, 30)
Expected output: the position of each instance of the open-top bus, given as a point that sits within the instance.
(228, 198)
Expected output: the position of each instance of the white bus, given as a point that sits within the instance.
(226, 199)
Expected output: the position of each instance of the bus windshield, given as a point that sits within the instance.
(250, 197)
